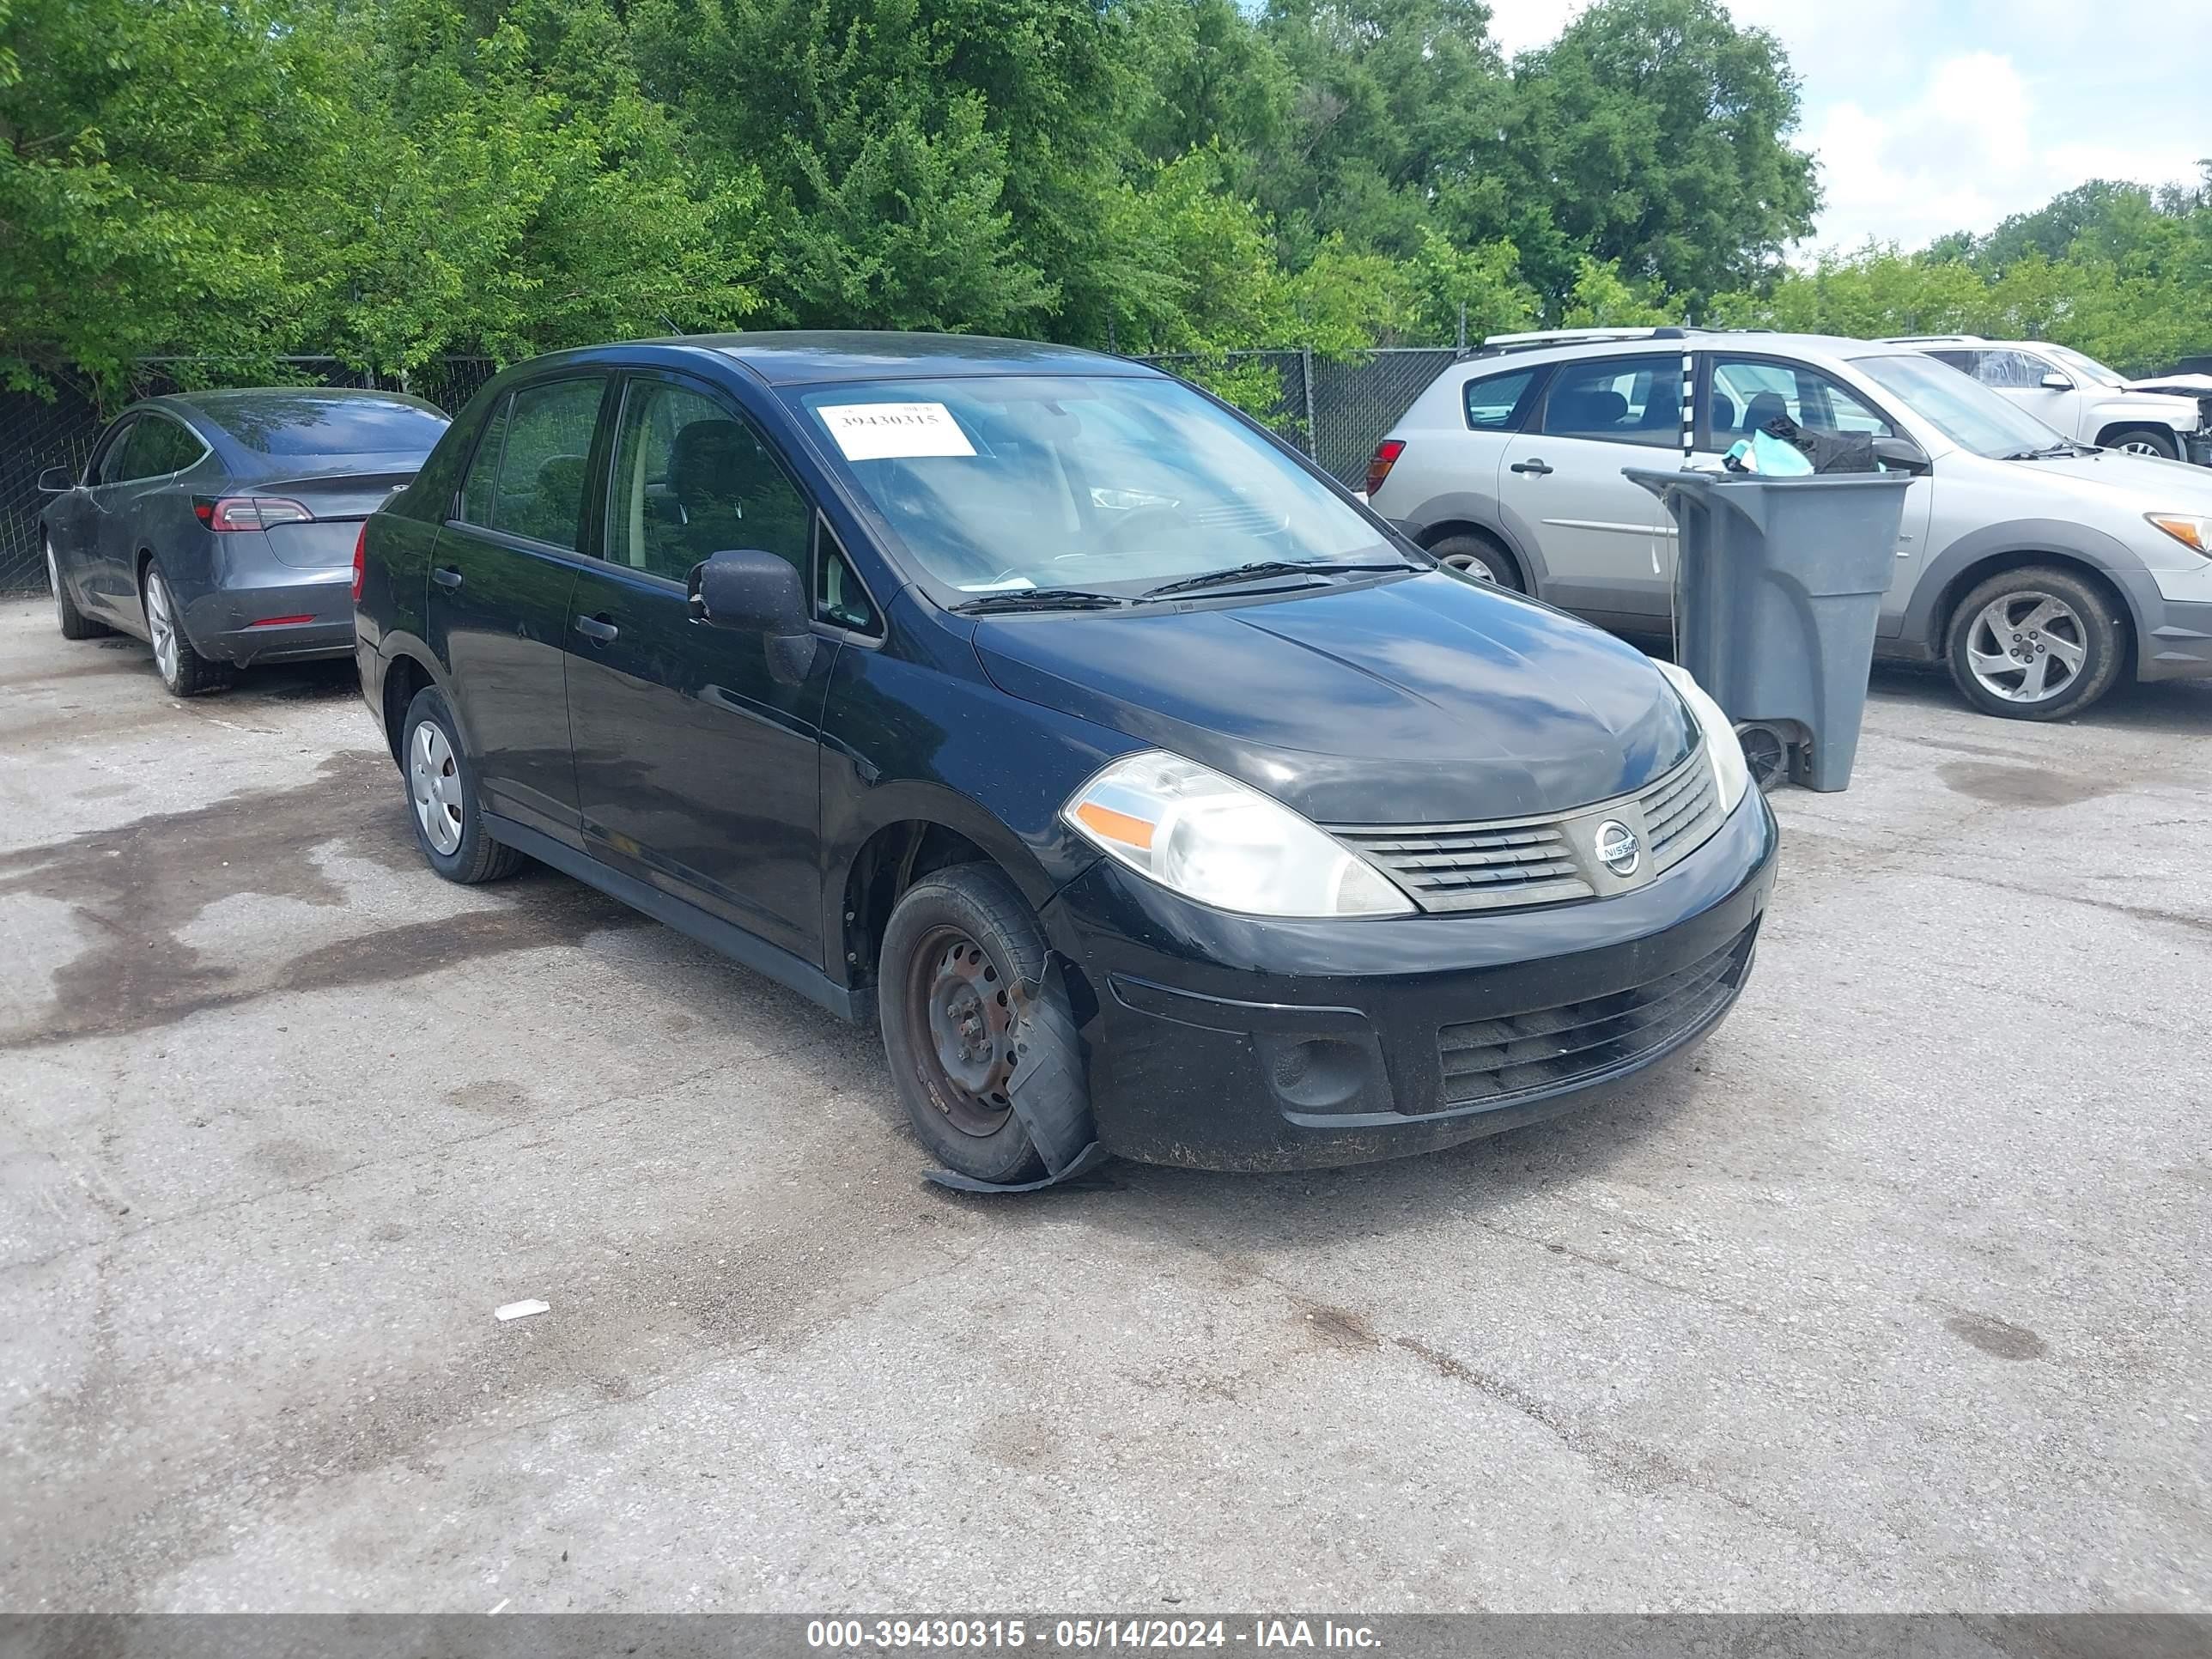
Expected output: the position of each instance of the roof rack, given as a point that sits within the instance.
(1497, 344)
(1932, 339)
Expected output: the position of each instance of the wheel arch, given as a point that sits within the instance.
(2084, 552)
(2111, 434)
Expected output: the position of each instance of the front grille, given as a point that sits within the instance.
(1525, 861)
(1498, 1061)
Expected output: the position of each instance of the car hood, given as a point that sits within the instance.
(1427, 699)
(2138, 483)
(2179, 386)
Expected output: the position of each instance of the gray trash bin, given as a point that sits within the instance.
(1777, 585)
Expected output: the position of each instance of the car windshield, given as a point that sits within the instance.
(301, 426)
(2087, 368)
(1103, 485)
(1959, 406)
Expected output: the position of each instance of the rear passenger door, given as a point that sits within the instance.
(496, 610)
(1605, 546)
(697, 769)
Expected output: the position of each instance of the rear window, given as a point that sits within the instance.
(326, 426)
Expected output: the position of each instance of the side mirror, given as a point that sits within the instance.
(750, 591)
(56, 479)
(1901, 455)
(2054, 381)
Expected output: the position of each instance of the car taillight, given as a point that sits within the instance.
(249, 512)
(1386, 457)
(360, 559)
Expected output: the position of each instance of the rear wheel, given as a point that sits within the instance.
(441, 795)
(964, 997)
(2148, 440)
(184, 671)
(1480, 558)
(74, 624)
(2036, 643)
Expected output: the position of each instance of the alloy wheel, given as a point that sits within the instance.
(2027, 647)
(54, 584)
(162, 624)
(433, 779)
(2142, 446)
(961, 1025)
(1467, 564)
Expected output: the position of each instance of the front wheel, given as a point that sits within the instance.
(74, 624)
(964, 997)
(2035, 644)
(2148, 440)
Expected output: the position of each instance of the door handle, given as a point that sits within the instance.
(597, 629)
(1532, 465)
(446, 576)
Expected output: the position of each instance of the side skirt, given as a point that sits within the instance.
(741, 947)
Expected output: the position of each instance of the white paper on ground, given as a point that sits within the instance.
(895, 432)
(522, 1309)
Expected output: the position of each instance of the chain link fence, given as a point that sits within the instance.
(1332, 409)
(37, 433)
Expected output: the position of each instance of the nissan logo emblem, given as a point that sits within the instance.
(1618, 848)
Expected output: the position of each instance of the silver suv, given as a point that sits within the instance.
(2078, 395)
(2039, 569)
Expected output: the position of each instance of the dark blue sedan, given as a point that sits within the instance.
(1148, 790)
(219, 527)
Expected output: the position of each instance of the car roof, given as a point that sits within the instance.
(804, 357)
(1745, 339)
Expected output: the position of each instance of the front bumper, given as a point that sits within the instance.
(248, 617)
(1222, 1041)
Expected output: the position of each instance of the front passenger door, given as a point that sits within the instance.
(697, 769)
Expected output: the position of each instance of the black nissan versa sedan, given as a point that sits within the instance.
(1154, 795)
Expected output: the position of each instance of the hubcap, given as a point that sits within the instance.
(2026, 647)
(433, 779)
(962, 1023)
(1467, 563)
(161, 624)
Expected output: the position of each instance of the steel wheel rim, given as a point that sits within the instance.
(433, 781)
(1469, 565)
(2026, 647)
(162, 624)
(961, 1020)
(54, 581)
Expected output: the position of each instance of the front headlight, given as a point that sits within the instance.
(2192, 530)
(1730, 775)
(1212, 839)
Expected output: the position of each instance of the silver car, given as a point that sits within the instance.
(2039, 569)
(2079, 396)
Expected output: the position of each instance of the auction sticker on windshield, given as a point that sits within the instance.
(894, 432)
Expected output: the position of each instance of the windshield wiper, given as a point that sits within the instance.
(1261, 567)
(1040, 598)
(2062, 447)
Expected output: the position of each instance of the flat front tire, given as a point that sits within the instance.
(963, 992)
(442, 802)
(2036, 644)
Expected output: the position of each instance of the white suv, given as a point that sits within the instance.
(2040, 571)
(2078, 395)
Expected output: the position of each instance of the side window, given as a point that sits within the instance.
(544, 459)
(1626, 400)
(1748, 394)
(481, 489)
(1491, 402)
(839, 598)
(2011, 371)
(1960, 360)
(160, 445)
(110, 466)
(691, 478)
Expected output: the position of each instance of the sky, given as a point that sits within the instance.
(1931, 116)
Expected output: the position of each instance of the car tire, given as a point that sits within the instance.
(442, 800)
(184, 671)
(963, 992)
(2148, 440)
(74, 624)
(2007, 636)
(1481, 558)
